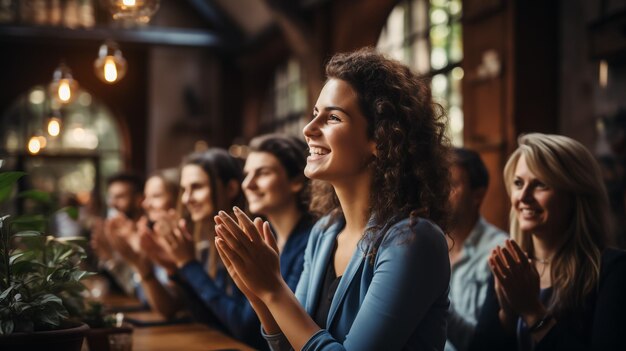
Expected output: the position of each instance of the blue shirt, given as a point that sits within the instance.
(231, 308)
(398, 301)
(469, 282)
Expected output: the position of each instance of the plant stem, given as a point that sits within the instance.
(6, 233)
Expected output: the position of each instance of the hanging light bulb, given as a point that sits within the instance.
(133, 11)
(34, 145)
(63, 87)
(37, 142)
(54, 124)
(110, 65)
(54, 127)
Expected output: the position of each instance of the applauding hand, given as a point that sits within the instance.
(250, 253)
(174, 239)
(517, 282)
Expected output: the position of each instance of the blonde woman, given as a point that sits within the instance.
(557, 285)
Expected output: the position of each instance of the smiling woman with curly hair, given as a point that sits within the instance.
(376, 267)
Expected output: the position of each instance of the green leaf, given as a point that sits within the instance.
(6, 327)
(71, 211)
(65, 255)
(52, 318)
(4, 219)
(29, 222)
(36, 195)
(25, 267)
(22, 307)
(27, 234)
(78, 275)
(6, 292)
(7, 181)
(15, 257)
(79, 240)
(50, 298)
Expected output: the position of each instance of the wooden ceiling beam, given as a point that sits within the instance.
(146, 36)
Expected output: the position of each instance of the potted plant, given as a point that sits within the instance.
(40, 284)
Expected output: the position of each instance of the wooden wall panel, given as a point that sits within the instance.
(510, 85)
(485, 92)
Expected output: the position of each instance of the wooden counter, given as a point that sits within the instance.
(171, 337)
(188, 337)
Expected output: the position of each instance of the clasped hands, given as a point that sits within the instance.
(249, 252)
(517, 284)
(171, 244)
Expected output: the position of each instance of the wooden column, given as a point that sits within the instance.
(510, 85)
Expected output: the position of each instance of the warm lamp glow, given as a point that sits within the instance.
(34, 145)
(110, 72)
(64, 92)
(54, 126)
(132, 12)
(63, 87)
(110, 66)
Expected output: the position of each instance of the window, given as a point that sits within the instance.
(286, 106)
(426, 35)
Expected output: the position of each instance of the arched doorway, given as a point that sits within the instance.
(66, 150)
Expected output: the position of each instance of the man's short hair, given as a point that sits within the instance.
(471, 162)
(133, 179)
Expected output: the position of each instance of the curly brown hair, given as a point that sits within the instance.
(411, 169)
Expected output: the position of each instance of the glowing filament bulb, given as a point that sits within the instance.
(34, 145)
(54, 127)
(128, 2)
(110, 70)
(64, 90)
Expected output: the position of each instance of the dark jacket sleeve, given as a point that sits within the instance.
(489, 334)
(608, 315)
(609, 320)
(233, 311)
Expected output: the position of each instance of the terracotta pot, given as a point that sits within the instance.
(98, 338)
(68, 339)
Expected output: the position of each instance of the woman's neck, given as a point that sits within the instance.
(354, 198)
(545, 247)
(283, 222)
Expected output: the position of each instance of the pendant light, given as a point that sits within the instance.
(63, 88)
(110, 66)
(53, 126)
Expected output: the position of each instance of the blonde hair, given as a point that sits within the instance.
(567, 166)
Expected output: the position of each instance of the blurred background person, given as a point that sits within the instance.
(124, 197)
(209, 181)
(132, 242)
(70, 221)
(471, 240)
(276, 188)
